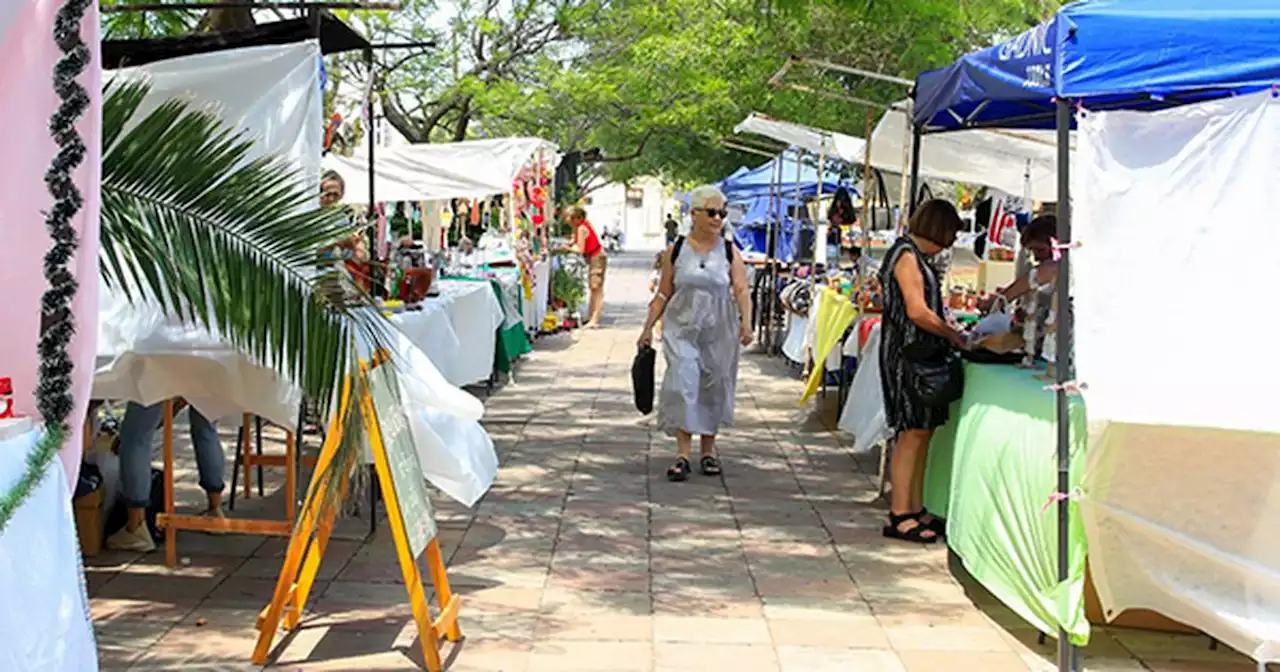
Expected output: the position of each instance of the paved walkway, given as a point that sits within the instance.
(584, 557)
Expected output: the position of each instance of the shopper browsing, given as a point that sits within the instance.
(915, 335)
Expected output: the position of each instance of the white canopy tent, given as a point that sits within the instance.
(432, 172)
(816, 141)
(1006, 160)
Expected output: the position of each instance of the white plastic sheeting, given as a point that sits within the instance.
(469, 169)
(863, 415)
(1175, 211)
(45, 613)
(815, 141)
(1000, 159)
(269, 94)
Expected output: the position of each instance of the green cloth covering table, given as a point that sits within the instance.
(990, 473)
(513, 342)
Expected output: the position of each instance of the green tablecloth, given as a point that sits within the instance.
(513, 342)
(991, 470)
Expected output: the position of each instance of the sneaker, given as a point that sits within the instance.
(138, 540)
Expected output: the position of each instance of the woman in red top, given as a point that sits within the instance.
(587, 243)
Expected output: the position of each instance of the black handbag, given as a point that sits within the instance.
(642, 379)
(935, 376)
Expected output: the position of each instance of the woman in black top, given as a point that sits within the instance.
(913, 319)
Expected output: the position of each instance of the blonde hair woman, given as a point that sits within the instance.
(703, 296)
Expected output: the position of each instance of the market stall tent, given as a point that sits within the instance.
(433, 172)
(1011, 161)
(1142, 55)
(1112, 54)
(834, 145)
(759, 181)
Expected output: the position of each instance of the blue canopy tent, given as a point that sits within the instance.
(1102, 54)
(761, 180)
(752, 231)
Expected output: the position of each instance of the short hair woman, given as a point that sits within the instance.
(703, 295)
(913, 319)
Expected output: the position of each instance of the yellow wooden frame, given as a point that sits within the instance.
(303, 556)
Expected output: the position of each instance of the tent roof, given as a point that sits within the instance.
(335, 37)
(757, 182)
(1131, 54)
(835, 145)
(1001, 159)
(469, 169)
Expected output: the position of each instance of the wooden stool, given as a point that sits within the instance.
(246, 459)
(172, 522)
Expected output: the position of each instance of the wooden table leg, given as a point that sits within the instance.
(290, 476)
(170, 534)
(245, 462)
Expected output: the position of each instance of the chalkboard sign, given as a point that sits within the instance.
(402, 457)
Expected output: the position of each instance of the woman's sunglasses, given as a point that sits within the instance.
(712, 212)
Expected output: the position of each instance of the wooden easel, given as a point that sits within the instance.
(171, 522)
(311, 537)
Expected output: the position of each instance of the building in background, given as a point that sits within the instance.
(637, 209)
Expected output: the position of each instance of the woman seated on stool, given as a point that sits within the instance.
(137, 432)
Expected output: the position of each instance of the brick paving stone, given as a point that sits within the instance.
(584, 557)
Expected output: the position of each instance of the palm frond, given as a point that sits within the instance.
(227, 242)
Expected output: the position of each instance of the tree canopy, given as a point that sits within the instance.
(651, 85)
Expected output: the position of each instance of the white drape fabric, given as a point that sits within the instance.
(1174, 301)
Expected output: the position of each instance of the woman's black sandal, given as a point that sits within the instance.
(680, 470)
(709, 465)
(938, 526)
(914, 535)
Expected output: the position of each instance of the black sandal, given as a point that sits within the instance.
(938, 526)
(709, 466)
(680, 470)
(914, 535)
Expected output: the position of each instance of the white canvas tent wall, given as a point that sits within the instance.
(432, 172)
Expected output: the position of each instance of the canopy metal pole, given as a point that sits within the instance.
(867, 212)
(915, 169)
(1063, 361)
(900, 222)
(818, 240)
(799, 168)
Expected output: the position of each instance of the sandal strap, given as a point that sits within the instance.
(682, 464)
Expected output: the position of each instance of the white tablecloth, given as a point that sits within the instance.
(44, 613)
(147, 357)
(458, 329)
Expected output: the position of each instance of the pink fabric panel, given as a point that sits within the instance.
(27, 57)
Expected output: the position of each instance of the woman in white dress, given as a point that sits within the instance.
(705, 308)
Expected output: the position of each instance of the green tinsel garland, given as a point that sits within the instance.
(53, 386)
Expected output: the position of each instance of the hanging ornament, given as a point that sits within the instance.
(538, 219)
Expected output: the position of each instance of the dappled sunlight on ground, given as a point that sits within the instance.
(584, 557)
